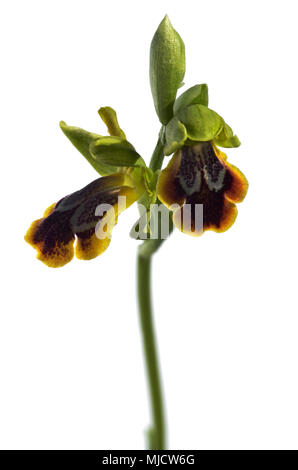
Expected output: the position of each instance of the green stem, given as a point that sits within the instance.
(157, 432)
(157, 157)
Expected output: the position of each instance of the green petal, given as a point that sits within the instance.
(116, 152)
(167, 68)
(201, 123)
(82, 139)
(226, 138)
(109, 117)
(197, 94)
(175, 136)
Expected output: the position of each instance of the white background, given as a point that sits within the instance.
(71, 371)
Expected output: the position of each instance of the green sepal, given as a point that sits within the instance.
(226, 138)
(201, 123)
(167, 68)
(175, 136)
(116, 152)
(82, 139)
(197, 94)
(109, 117)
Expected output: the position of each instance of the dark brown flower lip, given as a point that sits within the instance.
(74, 217)
(200, 174)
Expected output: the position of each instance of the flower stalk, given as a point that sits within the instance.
(157, 432)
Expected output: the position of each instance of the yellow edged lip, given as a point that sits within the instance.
(74, 218)
(200, 174)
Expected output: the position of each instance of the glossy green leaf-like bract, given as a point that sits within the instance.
(82, 139)
(175, 136)
(197, 94)
(226, 138)
(201, 123)
(116, 152)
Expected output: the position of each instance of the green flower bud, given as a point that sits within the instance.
(167, 68)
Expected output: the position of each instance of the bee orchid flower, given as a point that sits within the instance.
(76, 216)
(199, 173)
(86, 217)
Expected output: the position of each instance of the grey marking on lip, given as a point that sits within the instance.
(213, 170)
(197, 162)
(190, 171)
(84, 217)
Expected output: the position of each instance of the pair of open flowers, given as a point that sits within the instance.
(198, 173)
